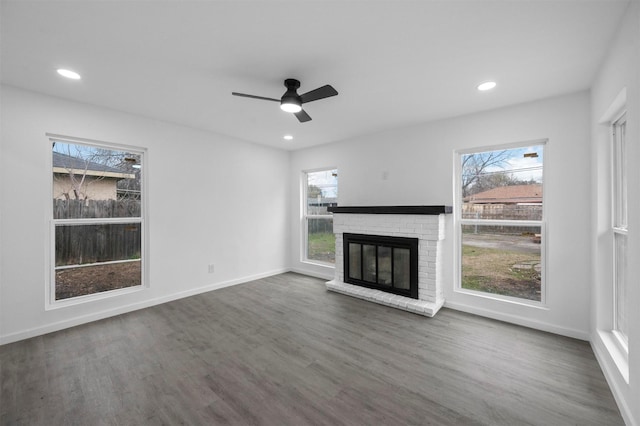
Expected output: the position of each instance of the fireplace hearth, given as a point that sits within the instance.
(391, 255)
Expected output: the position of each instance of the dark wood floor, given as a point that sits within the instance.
(283, 350)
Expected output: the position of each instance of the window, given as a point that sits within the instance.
(619, 228)
(97, 223)
(500, 222)
(320, 192)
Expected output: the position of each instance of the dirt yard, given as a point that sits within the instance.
(96, 279)
(508, 266)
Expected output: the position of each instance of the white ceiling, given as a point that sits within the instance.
(395, 63)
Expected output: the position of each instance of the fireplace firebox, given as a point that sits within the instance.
(384, 263)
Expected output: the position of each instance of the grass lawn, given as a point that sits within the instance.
(322, 247)
(500, 271)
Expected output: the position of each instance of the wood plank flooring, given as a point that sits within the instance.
(285, 351)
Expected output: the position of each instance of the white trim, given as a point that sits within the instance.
(619, 213)
(518, 319)
(315, 274)
(95, 316)
(51, 223)
(318, 263)
(86, 298)
(498, 147)
(619, 358)
(615, 108)
(98, 221)
(500, 298)
(84, 265)
(458, 222)
(605, 359)
(493, 222)
(304, 184)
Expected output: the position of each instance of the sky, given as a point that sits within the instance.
(326, 181)
(521, 167)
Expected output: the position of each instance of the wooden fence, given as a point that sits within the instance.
(502, 211)
(77, 244)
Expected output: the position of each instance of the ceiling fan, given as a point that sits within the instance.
(292, 102)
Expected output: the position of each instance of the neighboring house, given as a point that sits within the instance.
(79, 179)
(522, 202)
(514, 194)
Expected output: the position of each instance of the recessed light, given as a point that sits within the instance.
(487, 85)
(288, 137)
(69, 74)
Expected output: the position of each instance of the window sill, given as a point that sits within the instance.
(92, 297)
(318, 263)
(617, 352)
(504, 299)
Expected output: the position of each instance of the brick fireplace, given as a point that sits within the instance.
(422, 223)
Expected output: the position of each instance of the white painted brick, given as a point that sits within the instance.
(430, 232)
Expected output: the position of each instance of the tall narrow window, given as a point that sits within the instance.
(619, 228)
(320, 192)
(97, 223)
(500, 222)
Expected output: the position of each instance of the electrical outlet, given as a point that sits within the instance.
(211, 268)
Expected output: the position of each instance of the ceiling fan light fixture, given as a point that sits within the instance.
(290, 104)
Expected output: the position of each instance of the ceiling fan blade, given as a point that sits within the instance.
(244, 95)
(319, 93)
(302, 116)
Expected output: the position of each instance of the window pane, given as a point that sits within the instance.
(621, 284)
(355, 265)
(93, 182)
(82, 244)
(85, 280)
(504, 184)
(503, 260)
(322, 191)
(321, 241)
(80, 250)
(620, 173)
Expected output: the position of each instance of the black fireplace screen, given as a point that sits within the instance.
(385, 263)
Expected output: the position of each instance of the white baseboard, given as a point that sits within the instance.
(95, 316)
(538, 325)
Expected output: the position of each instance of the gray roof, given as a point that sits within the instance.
(69, 162)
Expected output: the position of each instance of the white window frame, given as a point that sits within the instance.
(50, 291)
(306, 217)
(459, 222)
(619, 217)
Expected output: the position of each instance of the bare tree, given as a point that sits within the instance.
(475, 168)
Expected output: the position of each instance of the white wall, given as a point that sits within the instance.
(212, 199)
(419, 162)
(620, 69)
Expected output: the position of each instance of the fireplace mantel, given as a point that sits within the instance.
(418, 210)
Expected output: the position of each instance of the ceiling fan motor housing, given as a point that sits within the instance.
(291, 95)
